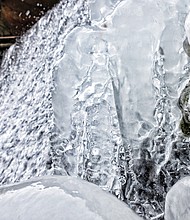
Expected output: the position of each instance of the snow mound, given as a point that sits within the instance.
(178, 201)
(60, 198)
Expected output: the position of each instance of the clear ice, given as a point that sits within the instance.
(96, 89)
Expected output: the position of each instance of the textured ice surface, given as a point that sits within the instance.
(177, 201)
(89, 121)
(100, 101)
(187, 26)
(131, 62)
(60, 198)
(26, 84)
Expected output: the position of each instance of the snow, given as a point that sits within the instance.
(178, 201)
(60, 198)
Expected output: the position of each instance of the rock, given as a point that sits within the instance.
(18, 15)
(186, 46)
(183, 104)
(60, 198)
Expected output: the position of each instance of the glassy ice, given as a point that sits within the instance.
(103, 99)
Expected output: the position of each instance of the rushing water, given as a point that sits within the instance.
(27, 119)
(95, 93)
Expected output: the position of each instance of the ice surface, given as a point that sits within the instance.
(187, 26)
(26, 84)
(178, 201)
(60, 198)
(130, 60)
(103, 101)
(89, 121)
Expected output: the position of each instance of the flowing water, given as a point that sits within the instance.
(96, 90)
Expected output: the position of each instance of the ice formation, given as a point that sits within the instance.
(96, 90)
(137, 77)
(187, 26)
(60, 198)
(26, 84)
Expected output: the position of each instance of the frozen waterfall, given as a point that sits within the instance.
(99, 90)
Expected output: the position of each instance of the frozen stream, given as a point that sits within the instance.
(92, 90)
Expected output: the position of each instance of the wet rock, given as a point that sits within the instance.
(18, 16)
(185, 127)
(183, 104)
(186, 47)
